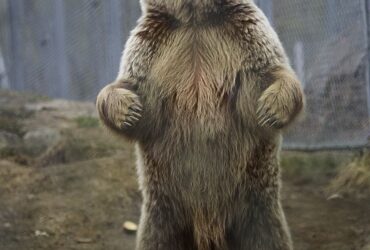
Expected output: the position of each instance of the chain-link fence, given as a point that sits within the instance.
(70, 49)
(64, 48)
(327, 42)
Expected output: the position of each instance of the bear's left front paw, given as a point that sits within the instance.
(273, 108)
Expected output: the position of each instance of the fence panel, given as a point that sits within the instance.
(328, 44)
(70, 49)
(64, 48)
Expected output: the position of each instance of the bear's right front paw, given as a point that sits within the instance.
(119, 108)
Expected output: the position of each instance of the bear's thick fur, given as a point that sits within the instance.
(205, 89)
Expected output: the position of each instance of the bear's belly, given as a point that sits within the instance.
(197, 166)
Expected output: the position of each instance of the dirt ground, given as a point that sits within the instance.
(78, 190)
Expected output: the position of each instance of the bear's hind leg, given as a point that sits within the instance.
(160, 230)
(262, 227)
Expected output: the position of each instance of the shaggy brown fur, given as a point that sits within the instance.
(204, 90)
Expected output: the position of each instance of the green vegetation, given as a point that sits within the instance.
(87, 122)
(353, 178)
(10, 125)
(79, 145)
(316, 167)
(10, 120)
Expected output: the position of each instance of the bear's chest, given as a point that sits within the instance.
(195, 74)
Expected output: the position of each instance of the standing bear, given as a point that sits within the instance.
(205, 90)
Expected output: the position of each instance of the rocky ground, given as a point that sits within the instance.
(66, 184)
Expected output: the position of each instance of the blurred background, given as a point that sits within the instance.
(66, 184)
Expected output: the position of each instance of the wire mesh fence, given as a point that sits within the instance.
(64, 48)
(327, 42)
(70, 49)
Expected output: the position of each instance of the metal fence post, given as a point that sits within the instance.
(366, 9)
(16, 13)
(114, 33)
(299, 62)
(62, 70)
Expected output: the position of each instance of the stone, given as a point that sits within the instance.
(39, 140)
(130, 227)
(65, 109)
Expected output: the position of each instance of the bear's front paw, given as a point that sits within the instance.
(273, 108)
(119, 108)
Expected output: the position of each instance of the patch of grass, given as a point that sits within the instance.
(10, 120)
(87, 122)
(77, 150)
(74, 148)
(8, 152)
(353, 178)
(11, 125)
(39, 98)
(82, 144)
(309, 167)
(16, 154)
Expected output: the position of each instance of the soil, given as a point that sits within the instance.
(63, 200)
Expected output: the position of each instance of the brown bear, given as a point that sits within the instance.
(204, 90)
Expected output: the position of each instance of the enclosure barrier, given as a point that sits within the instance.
(71, 49)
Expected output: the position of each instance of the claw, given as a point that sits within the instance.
(261, 116)
(262, 112)
(277, 124)
(136, 108)
(260, 120)
(274, 123)
(265, 121)
(135, 118)
(127, 124)
(259, 110)
(132, 119)
(136, 114)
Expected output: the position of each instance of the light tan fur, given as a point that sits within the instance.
(205, 89)
(282, 101)
(122, 110)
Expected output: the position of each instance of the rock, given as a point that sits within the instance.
(39, 140)
(8, 140)
(7, 225)
(129, 227)
(65, 109)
